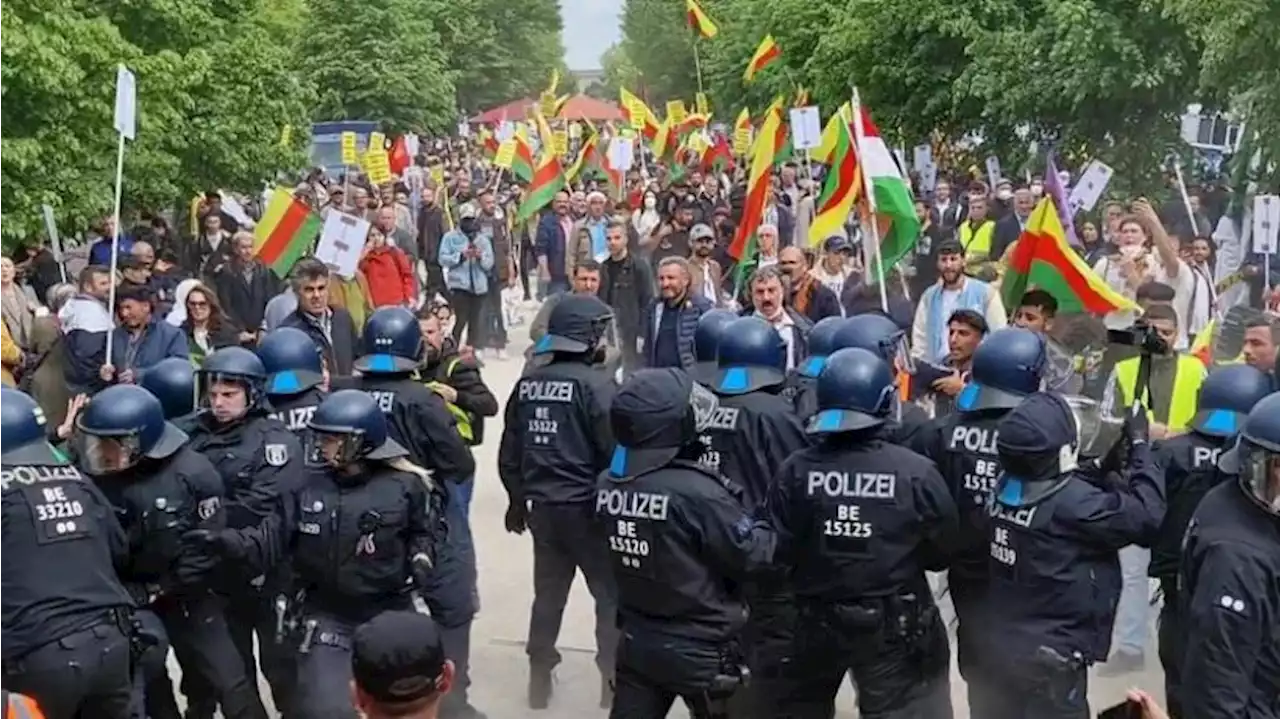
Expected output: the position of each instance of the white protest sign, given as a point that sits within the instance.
(232, 207)
(126, 103)
(506, 131)
(921, 156)
(464, 130)
(342, 242)
(1093, 182)
(928, 177)
(993, 171)
(621, 153)
(51, 229)
(412, 144)
(1266, 223)
(806, 127)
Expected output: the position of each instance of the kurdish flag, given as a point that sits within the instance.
(586, 155)
(633, 105)
(765, 55)
(772, 134)
(699, 21)
(285, 232)
(890, 196)
(548, 178)
(522, 161)
(843, 183)
(1041, 258)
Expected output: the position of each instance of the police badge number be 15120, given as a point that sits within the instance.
(276, 454)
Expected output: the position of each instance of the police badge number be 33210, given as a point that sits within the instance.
(276, 454)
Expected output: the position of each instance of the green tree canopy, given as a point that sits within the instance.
(500, 51)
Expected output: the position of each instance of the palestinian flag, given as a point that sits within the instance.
(522, 161)
(889, 194)
(842, 186)
(765, 55)
(773, 132)
(1042, 259)
(699, 21)
(548, 178)
(285, 232)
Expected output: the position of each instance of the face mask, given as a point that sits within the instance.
(1004, 194)
(650, 203)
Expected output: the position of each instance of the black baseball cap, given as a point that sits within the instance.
(398, 657)
(647, 418)
(575, 325)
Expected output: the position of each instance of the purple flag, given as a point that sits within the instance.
(1053, 187)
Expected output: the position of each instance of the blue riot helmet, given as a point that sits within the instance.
(706, 339)
(856, 390)
(1226, 398)
(1007, 366)
(392, 342)
(578, 324)
(120, 426)
(752, 356)
(348, 426)
(822, 342)
(23, 431)
(173, 382)
(292, 361)
(233, 365)
(1256, 456)
(876, 333)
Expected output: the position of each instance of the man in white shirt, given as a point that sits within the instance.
(1204, 297)
(768, 300)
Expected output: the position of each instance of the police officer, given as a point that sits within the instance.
(682, 544)
(747, 439)
(65, 612)
(1053, 537)
(1228, 579)
(161, 490)
(365, 523)
(173, 382)
(1006, 368)
(706, 341)
(260, 461)
(881, 336)
(419, 421)
(859, 521)
(295, 376)
(1190, 464)
(802, 381)
(555, 443)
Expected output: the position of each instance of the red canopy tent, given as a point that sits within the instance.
(578, 107)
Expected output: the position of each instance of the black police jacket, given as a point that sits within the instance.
(963, 445)
(294, 411)
(61, 546)
(683, 544)
(419, 420)
(157, 503)
(351, 541)
(1054, 572)
(909, 425)
(802, 391)
(556, 438)
(1190, 464)
(1230, 590)
(259, 461)
(858, 516)
(748, 438)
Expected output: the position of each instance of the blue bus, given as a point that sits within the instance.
(326, 142)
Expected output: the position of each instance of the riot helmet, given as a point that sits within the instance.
(23, 432)
(877, 334)
(856, 390)
(706, 339)
(292, 360)
(1226, 398)
(579, 325)
(752, 356)
(1007, 367)
(231, 365)
(122, 425)
(391, 343)
(822, 343)
(655, 415)
(348, 426)
(173, 382)
(1256, 455)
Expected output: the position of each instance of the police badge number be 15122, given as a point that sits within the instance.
(276, 454)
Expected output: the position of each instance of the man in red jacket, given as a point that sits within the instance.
(388, 272)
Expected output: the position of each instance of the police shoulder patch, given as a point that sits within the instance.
(276, 454)
(208, 507)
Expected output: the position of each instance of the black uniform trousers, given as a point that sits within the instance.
(967, 598)
(1030, 690)
(86, 673)
(899, 674)
(324, 668)
(768, 643)
(654, 669)
(201, 638)
(566, 538)
(1170, 644)
(246, 614)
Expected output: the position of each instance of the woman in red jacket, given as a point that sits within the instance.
(388, 271)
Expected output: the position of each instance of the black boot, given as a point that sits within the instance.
(540, 687)
(606, 693)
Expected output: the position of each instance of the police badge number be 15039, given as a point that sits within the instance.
(276, 454)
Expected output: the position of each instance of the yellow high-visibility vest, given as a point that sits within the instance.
(461, 415)
(1186, 388)
(977, 242)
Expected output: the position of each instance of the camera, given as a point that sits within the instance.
(1140, 335)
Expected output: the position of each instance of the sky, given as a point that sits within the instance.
(590, 28)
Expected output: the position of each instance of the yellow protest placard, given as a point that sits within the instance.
(697, 142)
(560, 142)
(378, 141)
(505, 155)
(547, 104)
(349, 156)
(676, 112)
(380, 172)
(700, 100)
(437, 171)
(637, 112)
(575, 130)
(742, 141)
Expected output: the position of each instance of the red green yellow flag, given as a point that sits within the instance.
(285, 232)
(843, 183)
(522, 161)
(699, 21)
(1042, 259)
(638, 114)
(765, 55)
(772, 134)
(548, 177)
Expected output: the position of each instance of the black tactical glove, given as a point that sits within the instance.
(1137, 428)
(517, 517)
(224, 543)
